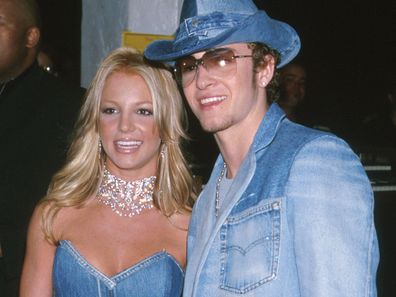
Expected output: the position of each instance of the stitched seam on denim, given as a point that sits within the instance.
(84, 263)
(144, 263)
(223, 252)
(369, 257)
(276, 227)
(291, 47)
(194, 26)
(98, 288)
(253, 212)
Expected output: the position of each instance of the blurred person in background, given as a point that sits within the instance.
(292, 84)
(39, 113)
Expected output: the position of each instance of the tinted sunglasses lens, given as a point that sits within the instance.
(220, 62)
(186, 69)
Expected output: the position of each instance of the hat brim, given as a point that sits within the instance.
(255, 28)
(164, 50)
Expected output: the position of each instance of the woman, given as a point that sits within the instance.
(115, 217)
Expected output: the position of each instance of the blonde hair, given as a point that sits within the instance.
(79, 179)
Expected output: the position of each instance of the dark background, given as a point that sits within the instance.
(348, 49)
(61, 35)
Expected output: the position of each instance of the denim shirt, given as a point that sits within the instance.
(156, 276)
(298, 221)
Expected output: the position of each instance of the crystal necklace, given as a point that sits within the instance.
(126, 198)
(219, 179)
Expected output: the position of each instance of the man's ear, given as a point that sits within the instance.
(265, 71)
(32, 37)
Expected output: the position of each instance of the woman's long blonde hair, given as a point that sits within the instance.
(79, 179)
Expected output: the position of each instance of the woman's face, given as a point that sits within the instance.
(129, 134)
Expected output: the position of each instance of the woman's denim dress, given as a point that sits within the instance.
(156, 276)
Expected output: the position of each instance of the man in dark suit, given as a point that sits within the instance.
(38, 114)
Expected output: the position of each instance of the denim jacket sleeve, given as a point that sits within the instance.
(330, 206)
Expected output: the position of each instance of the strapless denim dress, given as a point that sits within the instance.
(156, 276)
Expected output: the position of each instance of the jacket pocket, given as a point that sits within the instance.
(250, 244)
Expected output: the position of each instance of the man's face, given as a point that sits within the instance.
(293, 79)
(12, 40)
(228, 102)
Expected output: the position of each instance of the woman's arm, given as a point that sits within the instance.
(36, 277)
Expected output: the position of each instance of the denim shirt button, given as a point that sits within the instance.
(275, 205)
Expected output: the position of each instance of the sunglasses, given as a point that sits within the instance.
(220, 62)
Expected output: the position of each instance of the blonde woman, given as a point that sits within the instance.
(114, 221)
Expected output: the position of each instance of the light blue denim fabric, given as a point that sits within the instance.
(156, 276)
(298, 224)
(205, 24)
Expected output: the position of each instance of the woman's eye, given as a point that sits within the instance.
(144, 111)
(109, 110)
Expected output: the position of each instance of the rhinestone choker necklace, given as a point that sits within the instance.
(126, 198)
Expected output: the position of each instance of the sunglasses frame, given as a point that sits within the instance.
(197, 62)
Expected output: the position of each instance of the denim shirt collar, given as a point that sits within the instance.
(264, 136)
(268, 127)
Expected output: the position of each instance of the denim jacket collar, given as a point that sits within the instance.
(265, 134)
(268, 127)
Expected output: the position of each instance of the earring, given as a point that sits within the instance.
(263, 83)
(100, 149)
(162, 153)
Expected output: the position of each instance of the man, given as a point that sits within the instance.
(38, 115)
(292, 89)
(288, 211)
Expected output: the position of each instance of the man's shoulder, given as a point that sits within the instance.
(294, 135)
(57, 85)
(37, 85)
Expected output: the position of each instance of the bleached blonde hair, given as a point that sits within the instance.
(80, 178)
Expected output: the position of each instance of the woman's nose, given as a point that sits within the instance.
(126, 123)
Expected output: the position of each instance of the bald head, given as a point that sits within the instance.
(19, 37)
(26, 11)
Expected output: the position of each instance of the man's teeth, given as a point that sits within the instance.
(213, 99)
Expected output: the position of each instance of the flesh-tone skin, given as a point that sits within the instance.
(107, 241)
(18, 41)
(293, 80)
(235, 117)
(127, 128)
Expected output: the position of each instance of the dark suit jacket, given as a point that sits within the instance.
(38, 112)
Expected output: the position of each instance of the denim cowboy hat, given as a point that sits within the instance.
(206, 24)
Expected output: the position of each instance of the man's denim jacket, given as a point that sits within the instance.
(297, 221)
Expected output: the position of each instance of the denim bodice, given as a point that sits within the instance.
(156, 276)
